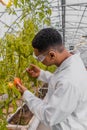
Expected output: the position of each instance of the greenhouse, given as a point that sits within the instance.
(43, 64)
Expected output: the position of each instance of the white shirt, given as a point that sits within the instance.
(65, 105)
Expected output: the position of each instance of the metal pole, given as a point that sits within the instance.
(63, 2)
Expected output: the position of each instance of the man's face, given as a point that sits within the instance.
(48, 58)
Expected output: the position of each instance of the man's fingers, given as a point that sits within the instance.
(33, 70)
(28, 69)
(19, 88)
(33, 65)
(19, 84)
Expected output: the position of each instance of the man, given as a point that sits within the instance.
(65, 105)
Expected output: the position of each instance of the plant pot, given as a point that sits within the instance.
(33, 123)
(21, 119)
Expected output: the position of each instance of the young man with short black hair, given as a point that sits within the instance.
(65, 105)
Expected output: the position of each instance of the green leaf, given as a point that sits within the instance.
(16, 3)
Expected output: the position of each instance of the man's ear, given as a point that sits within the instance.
(52, 54)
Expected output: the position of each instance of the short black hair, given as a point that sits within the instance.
(46, 38)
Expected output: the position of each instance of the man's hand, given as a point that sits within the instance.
(33, 71)
(19, 86)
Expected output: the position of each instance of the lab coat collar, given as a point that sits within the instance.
(66, 63)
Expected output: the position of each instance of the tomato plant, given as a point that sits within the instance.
(16, 51)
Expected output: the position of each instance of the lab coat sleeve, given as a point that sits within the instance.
(62, 103)
(45, 76)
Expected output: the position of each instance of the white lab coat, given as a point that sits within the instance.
(65, 105)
